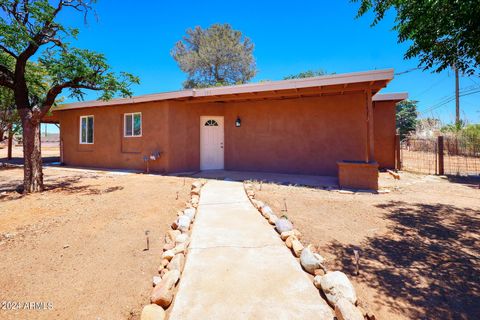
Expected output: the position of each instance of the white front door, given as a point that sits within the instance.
(211, 143)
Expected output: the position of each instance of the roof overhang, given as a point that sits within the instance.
(396, 97)
(307, 87)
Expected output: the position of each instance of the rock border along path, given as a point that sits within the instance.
(238, 268)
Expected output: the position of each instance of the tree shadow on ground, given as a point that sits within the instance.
(428, 261)
(67, 185)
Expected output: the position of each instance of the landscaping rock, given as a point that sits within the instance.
(196, 185)
(163, 264)
(310, 261)
(297, 233)
(289, 240)
(156, 280)
(286, 234)
(177, 262)
(283, 225)
(169, 246)
(168, 255)
(152, 312)
(195, 199)
(335, 285)
(195, 192)
(172, 235)
(258, 204)
(183, 223)
(272, 219)
(319, 272)
(266, 211)
(297, 247)
(190, 213)
(345, 310)
(180, 248)
(182, 238)
(162, 294)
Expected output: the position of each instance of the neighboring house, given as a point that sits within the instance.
(427, 128)
(329, 125)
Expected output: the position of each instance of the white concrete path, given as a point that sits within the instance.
(239, 268)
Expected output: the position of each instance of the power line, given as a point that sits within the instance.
(431, 87)
(439, 105)
(449, 97)
(406, 71)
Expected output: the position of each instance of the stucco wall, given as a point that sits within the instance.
(384, 127)
(110, 148)
(305, 135)
(184, 124)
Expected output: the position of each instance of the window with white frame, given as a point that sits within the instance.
(86, 130)
(133, 124)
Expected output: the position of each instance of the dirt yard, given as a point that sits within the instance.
(419, 245)
(80, 244)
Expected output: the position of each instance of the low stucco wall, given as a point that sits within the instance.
(357, 175)
(299, 136)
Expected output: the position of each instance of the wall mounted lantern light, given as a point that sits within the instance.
(238, 122)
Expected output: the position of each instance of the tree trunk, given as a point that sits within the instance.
(32, 171)
(10, 141)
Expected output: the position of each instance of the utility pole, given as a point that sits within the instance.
(457, 98)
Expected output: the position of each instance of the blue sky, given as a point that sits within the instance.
(289, 37)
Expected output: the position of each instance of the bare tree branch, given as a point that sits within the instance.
(57, 89)
(11, 53)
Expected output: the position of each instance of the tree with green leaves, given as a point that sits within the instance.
(216, 56)
(406, 116)
(8, 115)
(443, 33)
(306, 74)
(30, 32)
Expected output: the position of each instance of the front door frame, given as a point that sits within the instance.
(221, 147)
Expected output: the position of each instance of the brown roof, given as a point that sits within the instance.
(335, 83)
(398, 96)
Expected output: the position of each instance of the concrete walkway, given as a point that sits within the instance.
(239, 268)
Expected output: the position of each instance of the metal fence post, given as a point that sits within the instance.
(441, 169)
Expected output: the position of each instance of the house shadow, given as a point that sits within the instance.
(469, 181)
(428, 261)
(312, 181)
